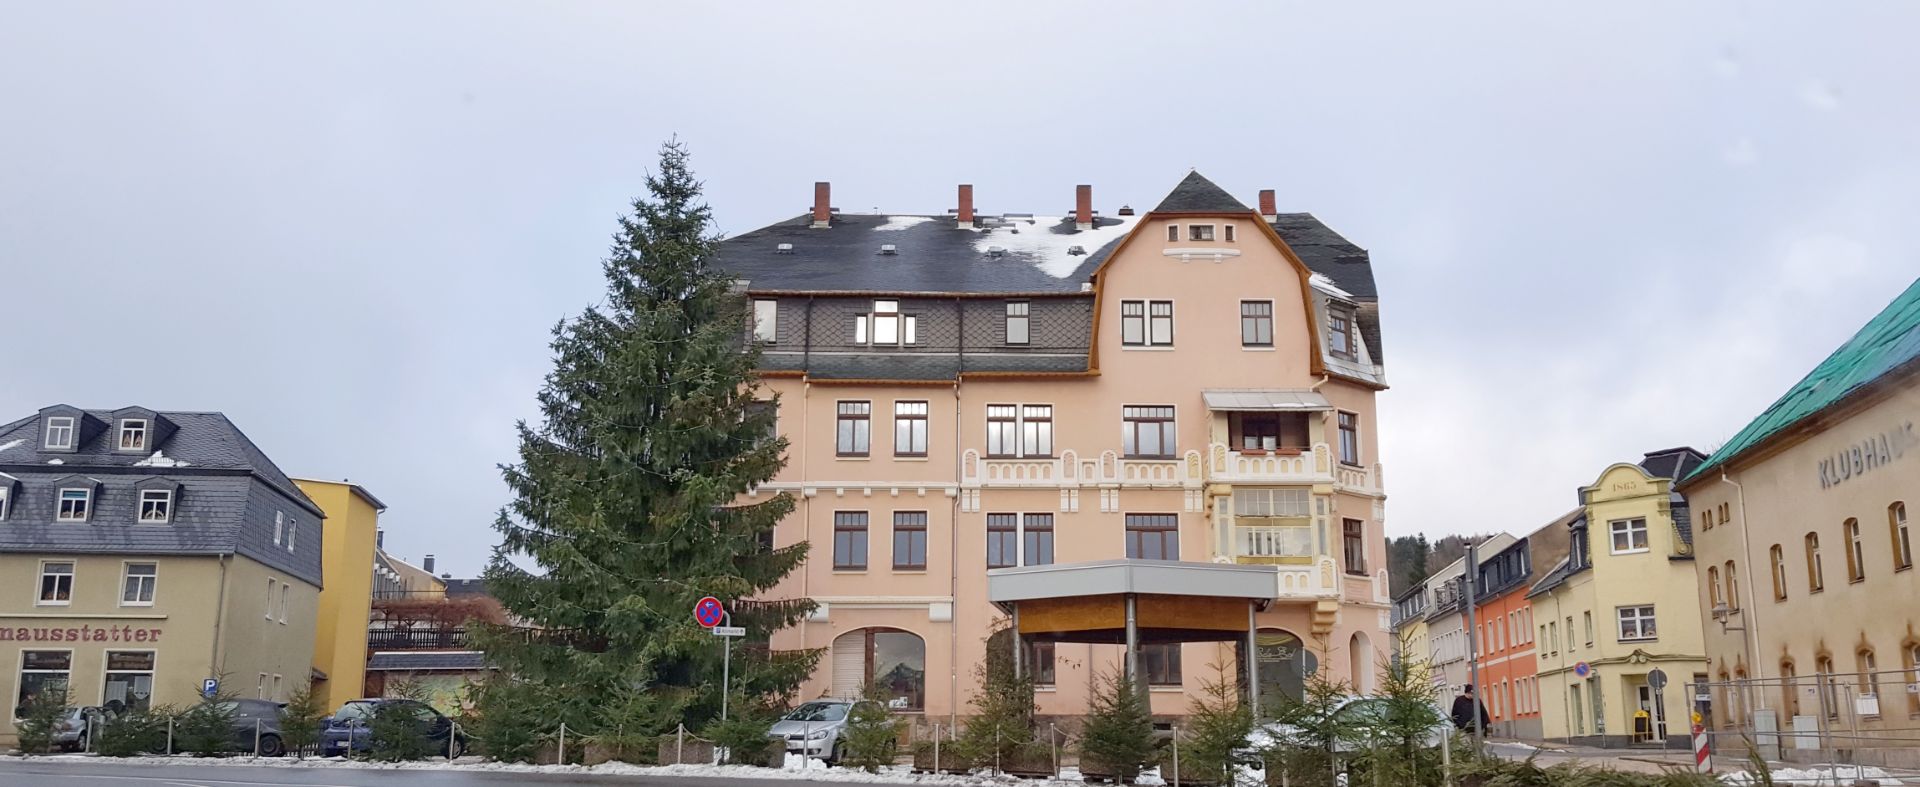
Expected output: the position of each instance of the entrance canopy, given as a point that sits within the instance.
(1265, 400)
(1152, 600)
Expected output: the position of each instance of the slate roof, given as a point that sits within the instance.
(1562, 570)
(426, 661)
(227, 493)
(1674, 463)
(1196, 194)
(1888, 343)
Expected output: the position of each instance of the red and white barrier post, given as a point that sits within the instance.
(1702, 761)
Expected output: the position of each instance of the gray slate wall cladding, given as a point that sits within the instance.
(1057, 326)
(204, 515)
(256, 538)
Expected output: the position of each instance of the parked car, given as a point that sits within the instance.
(263, 714)
(73, 731)
(350, 729)
(815, 729)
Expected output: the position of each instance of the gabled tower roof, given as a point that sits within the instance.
(1196, 194)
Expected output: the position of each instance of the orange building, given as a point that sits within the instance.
(1505, 631)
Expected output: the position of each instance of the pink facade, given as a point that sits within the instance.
(1267, 375)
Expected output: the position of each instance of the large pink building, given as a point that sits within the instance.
(1151, 428)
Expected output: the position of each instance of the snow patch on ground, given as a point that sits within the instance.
(898, 223)
(811, 770)
(1817, 775)
(160, 459)
(1049, 248)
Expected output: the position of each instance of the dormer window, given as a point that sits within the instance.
(1340, 332)
(1200, 232)
(60, 431)
(133, 434)
(156, 506)
(885, 326)
(75, 504)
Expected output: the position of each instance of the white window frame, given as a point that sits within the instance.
(151, 583)
(1645, 627)
(260, 688)
(906, 327)
(20, 675)
(6, 497)
(1227, 233)
(766, 320)
(1195, 230)
(1020, 313)
(86, 505)
(293, 531)
(107, 671)
(127, 427)
(271, 582)
(40, 581)
(283, 602)
(1619, 527)
(165, 506)
(64, 425)
(279, 526)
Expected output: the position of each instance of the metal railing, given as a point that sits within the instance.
(417, 639)
(1850, 719)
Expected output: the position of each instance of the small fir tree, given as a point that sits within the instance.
(744, 733)
(397, 732)
(1218, 724)
(301, 721)
(508, 719)
(631, 721)
(206, 729)
(872, 733)
(1307, 756)
(628, 495)
(43, 713)
(1401, 746)
(1118, 735)
(133, 733)
(1002, 721)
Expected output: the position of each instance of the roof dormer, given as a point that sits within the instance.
(138, 430)
(64, 428)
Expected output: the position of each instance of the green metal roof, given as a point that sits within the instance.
(1889, 341)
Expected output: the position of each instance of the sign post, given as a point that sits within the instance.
(709, 612)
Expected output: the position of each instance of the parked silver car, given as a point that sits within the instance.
(814, 729)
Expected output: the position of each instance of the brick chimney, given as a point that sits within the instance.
(1267, 210)
(964, 217)
(822, 205)
(1083, 207)
(426, 564)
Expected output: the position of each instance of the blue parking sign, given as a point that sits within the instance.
(209, 687)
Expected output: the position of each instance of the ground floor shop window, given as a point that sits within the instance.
(42, 670)
(894, 661)
(129, 681)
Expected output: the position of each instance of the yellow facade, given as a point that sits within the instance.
(1582, 620)
(340, 644)
(1415, 648)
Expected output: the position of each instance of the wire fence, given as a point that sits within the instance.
(1863, 719)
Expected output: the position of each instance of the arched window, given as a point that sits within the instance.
(1816, 579)
(1856, 552)
(1902, 540)
(1778, 558)
(1869, 679)
(1285, 664)
(893, 660)
(1733, 586)
(1713, 587)
(1360, 663)
(1789, 691)
(1828, 687)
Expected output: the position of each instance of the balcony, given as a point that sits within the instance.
(1277, 467)
(1069, 469)
(417, 639)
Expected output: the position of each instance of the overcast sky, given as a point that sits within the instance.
(1596, 232)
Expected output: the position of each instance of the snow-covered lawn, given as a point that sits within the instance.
(811, 770)
(1818, 775)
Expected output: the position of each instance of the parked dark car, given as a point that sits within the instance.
(351, 728)
(266, 713)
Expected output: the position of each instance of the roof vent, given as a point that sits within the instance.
(1076, 250)
(996, 251)
(1126, 210)
(888, 249)
(784, 248)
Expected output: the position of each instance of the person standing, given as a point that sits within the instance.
(1464, 708)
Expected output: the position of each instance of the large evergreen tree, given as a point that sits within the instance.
(628, 497)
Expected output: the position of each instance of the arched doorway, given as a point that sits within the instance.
(1284, 667)
(893, 660)
(1360, 662)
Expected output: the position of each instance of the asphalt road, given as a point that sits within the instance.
(27, 773)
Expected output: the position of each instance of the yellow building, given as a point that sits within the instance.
(347, 548)
(1621, 605)
(1410, 641)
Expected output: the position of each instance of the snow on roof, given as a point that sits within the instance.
(160, 459)
(11, 444)
(898, 223)
(1034, 237)
(1321, 282)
